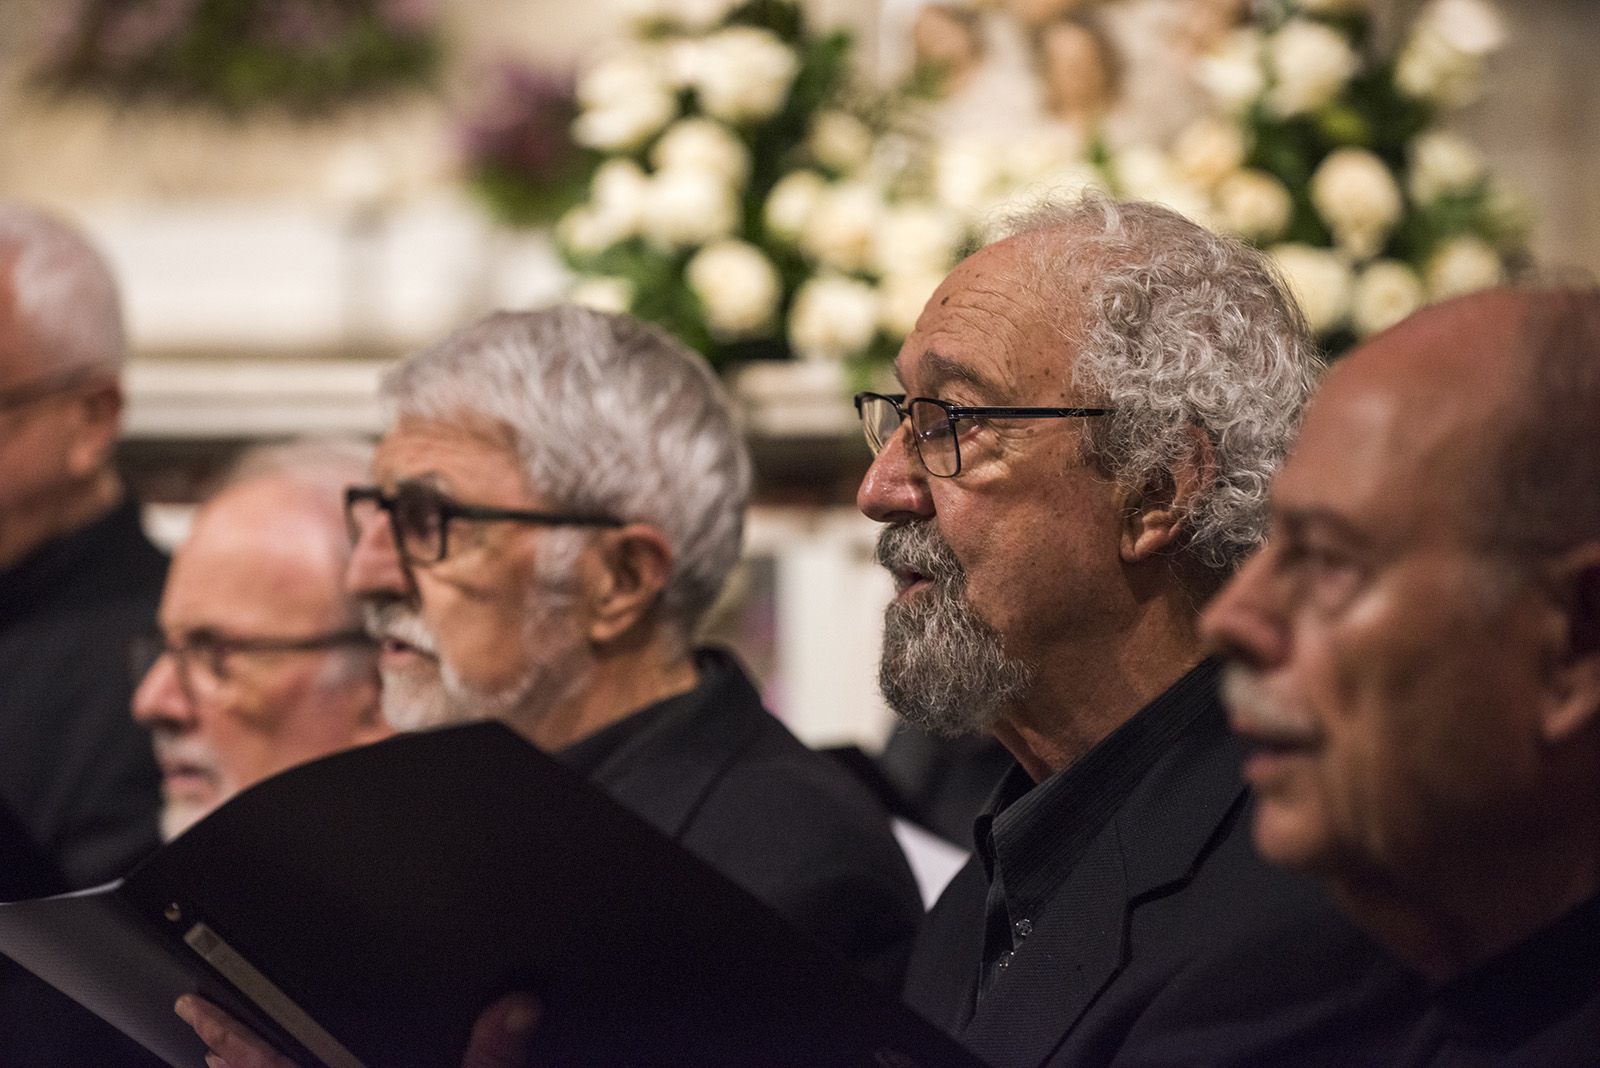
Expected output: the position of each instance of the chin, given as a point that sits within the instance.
(1287, 838)
(178, 816)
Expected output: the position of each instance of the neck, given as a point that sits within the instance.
(618, 682)
(1087, 692)
(1451, 921)
(23, 530)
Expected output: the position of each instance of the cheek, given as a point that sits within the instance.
(478, 629)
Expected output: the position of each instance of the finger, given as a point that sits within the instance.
(229, 1041)
(501, 1036)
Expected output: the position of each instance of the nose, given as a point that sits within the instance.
(895, 489)
(161, 699)
(1245, 621)
(375, 570)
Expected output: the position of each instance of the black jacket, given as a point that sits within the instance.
(718, 773)
(1169, 942)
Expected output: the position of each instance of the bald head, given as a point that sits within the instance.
(59, 308)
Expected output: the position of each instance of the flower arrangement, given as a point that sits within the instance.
(1330, 155)
(237, 56)
(746, 196)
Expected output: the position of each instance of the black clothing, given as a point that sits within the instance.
(75, 769)
(1536, 1005)
(720, 775)
(946, 781)
(1133, 924)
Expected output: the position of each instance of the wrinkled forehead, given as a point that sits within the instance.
(465, 448)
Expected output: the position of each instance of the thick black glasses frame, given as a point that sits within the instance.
(954, 412)
(448, 510)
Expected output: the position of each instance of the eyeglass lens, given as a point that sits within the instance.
(417, 514)
(932, 433)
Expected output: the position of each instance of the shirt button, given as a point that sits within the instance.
(1023, 928)
(1005, 959)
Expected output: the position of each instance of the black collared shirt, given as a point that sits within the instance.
(1030, 837)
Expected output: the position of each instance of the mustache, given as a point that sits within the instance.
(1252, 710)
(918, 548)
(393, 621)
(172, 748)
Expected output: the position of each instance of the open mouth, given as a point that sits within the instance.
(907, 581)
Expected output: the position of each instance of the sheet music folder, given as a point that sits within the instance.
(361, 910)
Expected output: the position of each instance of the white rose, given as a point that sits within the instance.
(791, 202)
(916, 238)
(1471, 27)
(1142, 170)
(843, 226)
(840, 140)
(1233, 73)
(1429, 70)
(1310, 64)
(1042, 155)
(1356, 195)
(621, 189)
(1462, 265)
(833, 317)
(625, 100)
(589, 229)
(1442, 163)
(744, 74)
(703, 144)
(1386, 292)
(902, 297)
(1254, 205)
(687, 208)
(1319, 281)
(603, 293)
(738, 288)
(1208, 151)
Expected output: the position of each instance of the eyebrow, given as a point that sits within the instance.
(940, 369)
(1297, 519)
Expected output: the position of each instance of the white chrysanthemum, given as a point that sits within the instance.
(840, 140)
(903, 296)
(1254, 205)
(1356, 195)
(603, 293)
(1385, 292)
(687, 208)
(917, 239)
(833, 317)
(1463, 265)
(738, 288)
(743, 74)
(703, 144)
(1320, 282)
(843, 226)
(791, 202)
(625, 100)
(1311, 63)
(1442, 163)
(1208, 150)
(1233, 73)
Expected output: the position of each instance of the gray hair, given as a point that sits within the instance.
(320, 468)
(607, 414)
(65, 296)
(1176, 328)
(1545, 492)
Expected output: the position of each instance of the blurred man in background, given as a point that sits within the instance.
(78, 578)
(1417, 666)
(261, 661)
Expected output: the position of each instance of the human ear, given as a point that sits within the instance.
(626, 570)
(97, 411)
(1155, 514)
(1573, 703)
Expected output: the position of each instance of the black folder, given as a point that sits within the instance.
(364, 908)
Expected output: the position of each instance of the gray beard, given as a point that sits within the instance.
(944, 668)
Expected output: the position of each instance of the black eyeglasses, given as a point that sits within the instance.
(202, 657)
(420, 517)
(933, 424)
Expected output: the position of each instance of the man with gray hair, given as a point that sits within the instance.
(558, 500)
(78, 578)
(260, 661)
(77, 574)
(1093, 410)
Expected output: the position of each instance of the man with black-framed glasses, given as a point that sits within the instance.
(260, 661)
(1096, 407)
